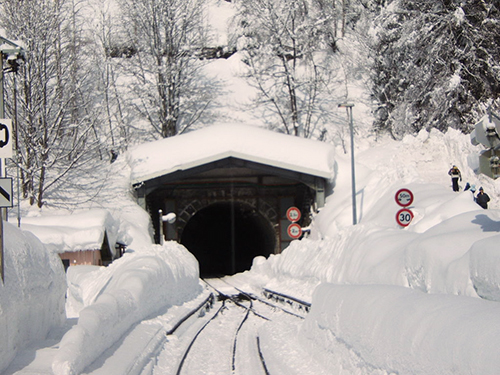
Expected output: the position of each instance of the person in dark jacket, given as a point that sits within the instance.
(455, 174)
(482, 198)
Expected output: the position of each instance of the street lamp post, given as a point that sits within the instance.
(348, 107)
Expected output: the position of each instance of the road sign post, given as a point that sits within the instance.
(404, 217)
(5, 138)
(404, 198)
(6, 198)
(5, 201)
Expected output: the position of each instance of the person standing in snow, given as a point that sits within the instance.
(455, 174)
(482, 198)
(473, 191)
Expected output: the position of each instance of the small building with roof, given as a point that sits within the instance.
(83, 238)
(229, 187)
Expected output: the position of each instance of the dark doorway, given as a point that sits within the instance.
(226, 236)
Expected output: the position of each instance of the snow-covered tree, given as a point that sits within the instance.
(290, 47)
(167, 36)
(436, 64)
(106, 49)
(54, 127)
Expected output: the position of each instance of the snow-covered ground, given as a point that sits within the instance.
(385, 299)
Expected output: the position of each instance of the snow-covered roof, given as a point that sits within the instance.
(79, 231)
(222, 141)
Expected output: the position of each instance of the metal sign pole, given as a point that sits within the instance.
(2, 115)
(1, 249)
(353, 173)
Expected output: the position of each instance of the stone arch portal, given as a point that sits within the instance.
(230, 211)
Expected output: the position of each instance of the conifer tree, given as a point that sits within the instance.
(436, 64)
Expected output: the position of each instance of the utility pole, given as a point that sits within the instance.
(348, 107)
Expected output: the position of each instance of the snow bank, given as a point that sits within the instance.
(129, 290)
(439, 252)
(84, 285)
(378, 251)
(484, 260)
(449, 257)
(32, 296)
(438, 261)
(389, 329)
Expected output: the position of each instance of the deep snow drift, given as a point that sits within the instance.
(32, 295)
(129, 290)
(375, 329)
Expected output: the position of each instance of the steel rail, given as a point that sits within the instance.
(186, 352)
(248, 309)
(280, 297)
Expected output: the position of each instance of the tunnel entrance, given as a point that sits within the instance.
(226, 236)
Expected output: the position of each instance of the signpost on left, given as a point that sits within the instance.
(6, 200)
(14, 55)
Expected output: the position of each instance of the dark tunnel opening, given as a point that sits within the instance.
(226, 236)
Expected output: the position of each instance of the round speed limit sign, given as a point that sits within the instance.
(294, 231)
(404, 217)
(293, 214)
(404, 197)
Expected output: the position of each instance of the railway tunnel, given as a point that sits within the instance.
(225, 237)
(231, 197)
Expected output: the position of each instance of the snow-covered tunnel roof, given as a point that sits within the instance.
(217, 142)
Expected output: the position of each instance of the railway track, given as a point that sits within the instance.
(234, 328)
(255, 311)
(221, 334)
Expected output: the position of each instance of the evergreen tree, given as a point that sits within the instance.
(436, 64)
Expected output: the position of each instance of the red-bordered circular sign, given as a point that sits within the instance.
(293, 214)
(404, 217)
(294, 231)
(404, 197)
